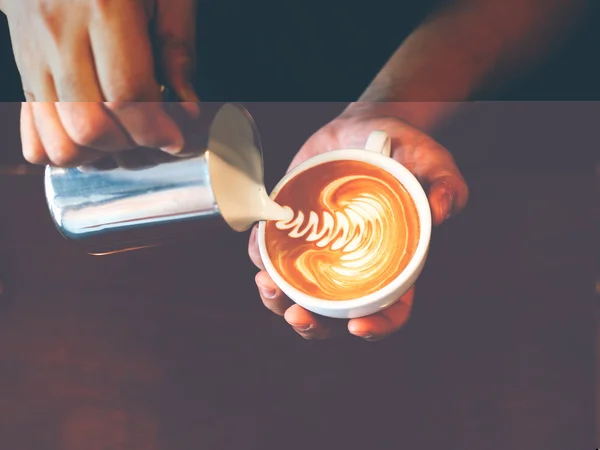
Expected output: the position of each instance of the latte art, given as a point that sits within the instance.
(350, 235)
(346, 227)
(358, 231)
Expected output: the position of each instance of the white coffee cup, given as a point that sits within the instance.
(376, 152)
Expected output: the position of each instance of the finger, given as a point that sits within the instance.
(271, 295)
(43, 88)
(435, 167)
(177, 69)
(192, 108)
(311, 326)
(74, 72)
(305, 323)
(122, 50)
(448, 195)
(88, 124)
(187, 121)
(29, 97)
(59, 147)
(148, 125)
(119, 32)
(253, 251)
(33, 149)
(384, 323)
(176, 41)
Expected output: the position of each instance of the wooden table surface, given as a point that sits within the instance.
(171, 348)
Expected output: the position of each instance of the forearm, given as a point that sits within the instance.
(472, 46)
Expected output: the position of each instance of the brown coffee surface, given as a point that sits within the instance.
(355, 229)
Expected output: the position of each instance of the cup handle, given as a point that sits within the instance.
(379, 142)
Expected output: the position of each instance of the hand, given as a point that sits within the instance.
(433, 166)
(101, 51)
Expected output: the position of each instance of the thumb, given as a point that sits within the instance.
(175, 35)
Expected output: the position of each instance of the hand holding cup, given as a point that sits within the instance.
(376, 314)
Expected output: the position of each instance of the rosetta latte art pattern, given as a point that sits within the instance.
(356, 238)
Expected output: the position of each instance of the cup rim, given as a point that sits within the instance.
(415, 190)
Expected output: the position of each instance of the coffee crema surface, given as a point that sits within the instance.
(355, 228)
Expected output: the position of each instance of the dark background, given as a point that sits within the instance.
(161, 350)
(320, 51)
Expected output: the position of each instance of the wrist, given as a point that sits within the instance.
(423, 115)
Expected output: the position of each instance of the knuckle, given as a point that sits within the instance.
(29, 96)
(49, 13)
(124, 105)
(67, 83)
(86, 136)
(61, 153)
(88, 133)
(143, 10)
(130, 91)
(118, 106)
(102, 6)
(46, 9)
(62, 160)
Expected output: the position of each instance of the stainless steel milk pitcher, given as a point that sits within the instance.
(122, 209)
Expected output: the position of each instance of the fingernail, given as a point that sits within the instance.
(189, 95)
(302, 328)
(446, 205)
(173, 149)
(267, 292)
(192, 108)
(366, 337)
